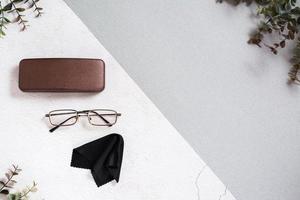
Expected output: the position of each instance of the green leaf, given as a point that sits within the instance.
(12, 197)
(7, 7)
(6, 192)
(282, 44)
(7, 20)
(296, 11)
(13, 181)
(20, 9)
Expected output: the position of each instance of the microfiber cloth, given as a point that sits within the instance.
(102, 156)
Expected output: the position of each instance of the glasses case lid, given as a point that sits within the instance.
(62, 75)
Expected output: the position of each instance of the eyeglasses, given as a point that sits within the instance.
(69, 117)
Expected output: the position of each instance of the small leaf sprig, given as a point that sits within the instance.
(18, 10)
(295, 70)
(18, 7)
(34, 5)
(24, 195)
(8, 182)
(3, 21)
(282, 19)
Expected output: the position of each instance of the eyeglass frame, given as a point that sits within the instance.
(82, 113)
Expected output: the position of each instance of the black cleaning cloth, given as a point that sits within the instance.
(103, 157)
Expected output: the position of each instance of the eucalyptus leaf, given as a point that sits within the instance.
(2, 33)
(20, 9)
(7, 20)
(11, 197)
(5, 191)
(8, 7)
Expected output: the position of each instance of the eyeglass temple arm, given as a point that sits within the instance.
(56, 127)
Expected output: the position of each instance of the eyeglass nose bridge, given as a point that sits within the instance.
(82, 115)
(83, 111)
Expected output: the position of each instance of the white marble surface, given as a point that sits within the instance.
(157, 162)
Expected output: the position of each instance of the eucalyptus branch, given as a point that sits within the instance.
(28, 190)
(2, 21)
(12, 7)
(36, 8)
(293, 74)
(8, 182)
(19, 18)
(280, 18)
(295, 70)
(24, 195)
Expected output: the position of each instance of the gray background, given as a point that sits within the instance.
(229, 100)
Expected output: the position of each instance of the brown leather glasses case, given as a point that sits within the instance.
(61, 75)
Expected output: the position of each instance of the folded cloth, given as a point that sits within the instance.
(103, 157)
